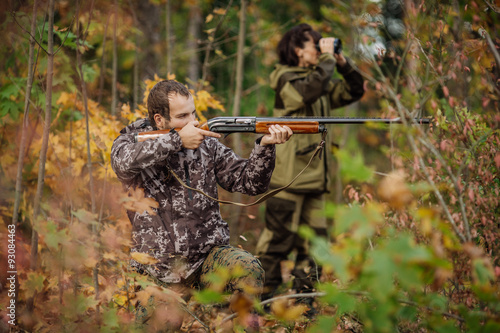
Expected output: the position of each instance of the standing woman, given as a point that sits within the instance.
(304, 88)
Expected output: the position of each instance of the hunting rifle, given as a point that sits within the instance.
(260, 125)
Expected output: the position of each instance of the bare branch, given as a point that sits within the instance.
(27, 32)
(492, 48)
(492, 7)
(210, 44)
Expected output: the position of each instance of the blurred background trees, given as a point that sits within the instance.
(414, 237)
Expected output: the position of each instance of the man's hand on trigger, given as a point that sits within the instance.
(277, 134)
(192, 136)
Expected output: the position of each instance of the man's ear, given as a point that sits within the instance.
(157, 119)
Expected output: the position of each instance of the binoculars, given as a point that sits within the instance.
(337, 46)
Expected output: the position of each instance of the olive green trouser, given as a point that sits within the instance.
(285, 213)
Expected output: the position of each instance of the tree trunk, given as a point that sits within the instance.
(103, 63)
(46, 132)
(81, 38)
(29, 85)
(237, 101)
(195, 21)
(114, 93)
(135, 83)
(240, 57)
(168, 27)
(148, 16)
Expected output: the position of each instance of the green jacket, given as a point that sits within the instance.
(309, 92)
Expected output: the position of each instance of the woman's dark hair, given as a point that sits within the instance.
(295, 37)
(158, 98)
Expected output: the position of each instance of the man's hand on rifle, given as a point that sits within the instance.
(277, 134)
(192, 136)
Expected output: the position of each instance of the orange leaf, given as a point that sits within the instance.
(395, 191)
(138, 203)
(285, 312)
(144, 258)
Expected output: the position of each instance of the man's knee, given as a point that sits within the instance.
(244, 269)
(252, 277)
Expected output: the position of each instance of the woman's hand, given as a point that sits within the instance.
(327, 45)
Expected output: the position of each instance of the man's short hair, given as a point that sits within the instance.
(295, 37)
(158, 98)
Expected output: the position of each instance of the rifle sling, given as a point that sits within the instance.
(265, 196)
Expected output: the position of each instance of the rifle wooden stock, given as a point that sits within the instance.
(300, 127)
(151, 135)
(306, 125)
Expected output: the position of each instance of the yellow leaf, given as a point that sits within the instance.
(78, 165)
(66, 100)
(209, 18)
(220, 11)
(120, 300)
(286, 312)
(144, 258)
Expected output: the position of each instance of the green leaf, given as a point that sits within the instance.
(208, 296)
(9, 90)
(437, 302)
(446, 328)
(89, 73)
(306, 232)
(323, 324)
(408, 312)
(110, 317)
(491, 327)
(380, 315)
(33, 284)
(353, 168)
(345, 303)
(321, 251)
(85, 216)
(6, 107)
(481, 272)
(348, 217)
(77, 304)
(52, 236)
(379, 274)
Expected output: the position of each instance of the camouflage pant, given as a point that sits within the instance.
(228, 267)
(284, 214)
(244, 271)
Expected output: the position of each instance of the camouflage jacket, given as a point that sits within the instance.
(187, 224)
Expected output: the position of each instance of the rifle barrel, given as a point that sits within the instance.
(299, 125)
(342, 120)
